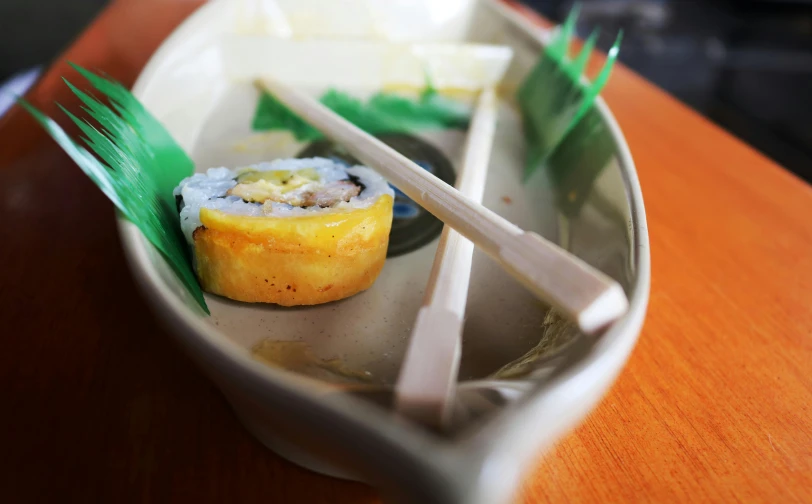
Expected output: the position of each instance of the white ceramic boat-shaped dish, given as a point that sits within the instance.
(526, 376)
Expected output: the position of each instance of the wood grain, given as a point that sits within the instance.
(97, 404)
(714, 406)
(716, 402)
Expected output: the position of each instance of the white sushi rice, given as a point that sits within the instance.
(208, 190)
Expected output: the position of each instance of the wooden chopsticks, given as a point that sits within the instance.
(426, 384)
(576, 289)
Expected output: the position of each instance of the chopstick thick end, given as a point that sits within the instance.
(581, 292)
(604, 309)
(429, 371)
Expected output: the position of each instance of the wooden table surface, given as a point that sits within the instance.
(715, 404)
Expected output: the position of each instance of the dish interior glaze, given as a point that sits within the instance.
(203, 93)
(368, 332)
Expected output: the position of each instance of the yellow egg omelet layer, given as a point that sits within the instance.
(293, 260)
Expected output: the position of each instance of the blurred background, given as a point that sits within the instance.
(744, 64)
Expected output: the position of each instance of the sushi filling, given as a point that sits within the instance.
(280, 189)
(300, 188)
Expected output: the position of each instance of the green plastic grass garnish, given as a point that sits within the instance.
(382, 113)
(578, 161)
(553, 98)
(136, 164)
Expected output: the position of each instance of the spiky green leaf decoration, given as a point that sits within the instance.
(382, 113)
(553, 98)
(135, 162)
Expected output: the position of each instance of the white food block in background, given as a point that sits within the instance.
(355, 64)
(392, 20)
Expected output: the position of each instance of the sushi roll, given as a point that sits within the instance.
(290, 232)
